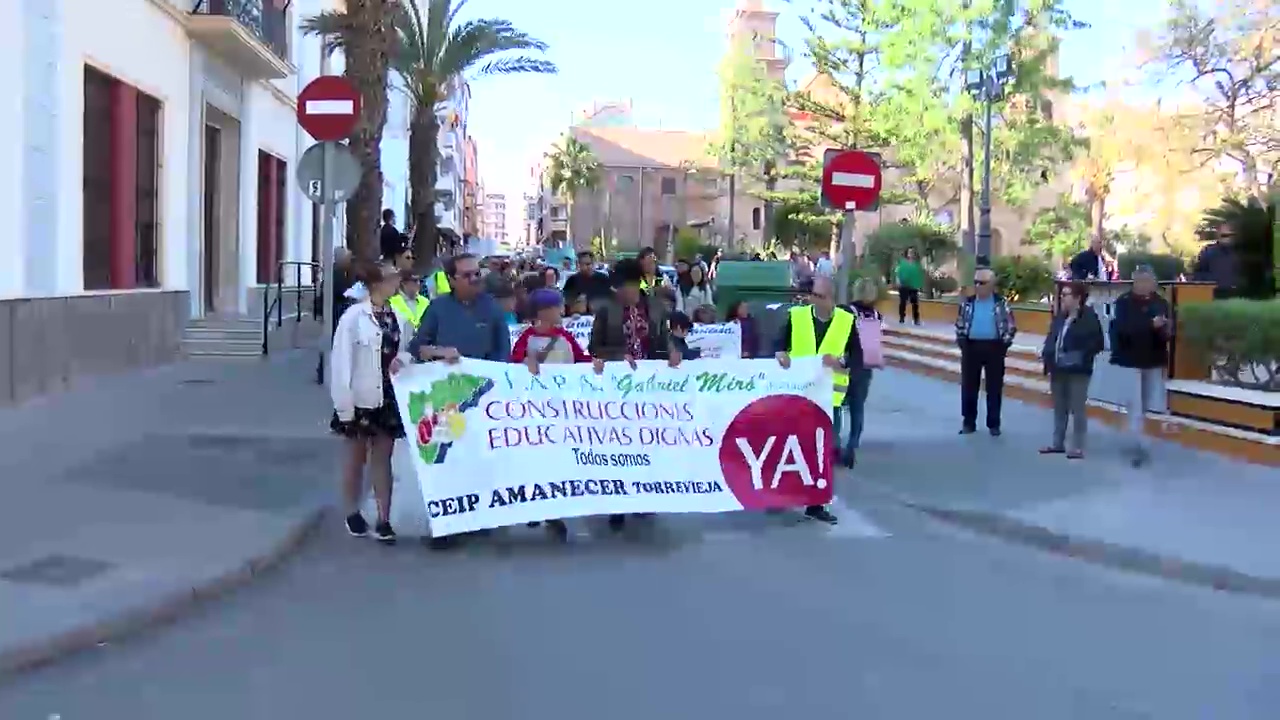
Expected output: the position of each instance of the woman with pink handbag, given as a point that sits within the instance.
(870, 331)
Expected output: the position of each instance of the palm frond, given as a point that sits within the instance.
(511, 66)
(334, 28)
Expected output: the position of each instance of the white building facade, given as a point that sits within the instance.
(450, 182)
(147, 176)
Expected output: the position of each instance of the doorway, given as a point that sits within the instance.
(211, 204)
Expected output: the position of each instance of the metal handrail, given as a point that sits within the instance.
(276, 303)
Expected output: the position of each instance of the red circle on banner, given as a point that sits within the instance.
(779, 451)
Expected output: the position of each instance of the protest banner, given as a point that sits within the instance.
(722, 340)
(494, 445)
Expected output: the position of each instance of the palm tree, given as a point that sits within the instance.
(364, 35)
(573, 167)
(433, 51)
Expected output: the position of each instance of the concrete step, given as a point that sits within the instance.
(932, 365)
(219, 333)
(943, 339)
(226, 323)
(1015, 364)
(229, 354)
(218, 345)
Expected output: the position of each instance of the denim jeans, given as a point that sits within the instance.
(855, 402)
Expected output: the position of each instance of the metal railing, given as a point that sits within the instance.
(260, 17)
(274, 303)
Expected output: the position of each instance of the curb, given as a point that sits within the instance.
(166, 610)
(1100, 552)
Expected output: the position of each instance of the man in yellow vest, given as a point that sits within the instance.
(821, 328)
(409, 302)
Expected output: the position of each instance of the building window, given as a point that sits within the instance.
(755, 218)
(148, 191)
(271, 215)
(121, 181)
(668, 186)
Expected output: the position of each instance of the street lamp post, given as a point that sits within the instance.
(987, 85)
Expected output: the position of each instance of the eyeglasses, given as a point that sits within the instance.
(981, 282)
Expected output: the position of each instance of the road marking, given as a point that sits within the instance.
(853, 524)
(331, 107)
(843, 179)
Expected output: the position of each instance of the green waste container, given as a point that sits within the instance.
(765, 286)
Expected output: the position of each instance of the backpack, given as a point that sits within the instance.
(870, 336)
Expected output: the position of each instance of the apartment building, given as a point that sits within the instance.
(495, 218)
(470, 188)
(146, 176)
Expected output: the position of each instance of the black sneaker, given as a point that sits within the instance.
(968, 430)
(995, 432)
(385, 535)
(850, 458)
(558, 530)
(821, 514)
(617, 522)
(357, 526)
(444, 542)
(1140, 458)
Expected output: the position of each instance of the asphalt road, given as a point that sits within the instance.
(746, 617)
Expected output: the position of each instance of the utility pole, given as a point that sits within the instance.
(987, 85)
(966, 159)
(733, 168)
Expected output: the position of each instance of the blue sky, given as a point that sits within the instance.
(662, 54)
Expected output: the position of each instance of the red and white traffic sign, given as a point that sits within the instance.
(851, 179)
(328, 108)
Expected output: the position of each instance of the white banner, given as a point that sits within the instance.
(722, 340)
(493, 445)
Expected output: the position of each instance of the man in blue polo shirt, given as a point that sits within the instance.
(984, 332)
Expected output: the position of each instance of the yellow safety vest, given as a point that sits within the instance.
(658, 281)
(804, 342)
(401, 306)
(442, 283)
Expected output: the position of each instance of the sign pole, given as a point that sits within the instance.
(326, 260)
(848, 254)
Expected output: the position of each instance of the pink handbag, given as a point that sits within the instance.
(870, 335)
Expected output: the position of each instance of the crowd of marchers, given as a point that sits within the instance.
(389, 316)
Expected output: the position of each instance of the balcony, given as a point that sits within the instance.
(250, 35)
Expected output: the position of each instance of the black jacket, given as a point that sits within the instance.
(609, 342)
(1084, 266)
(1083, 336)
(1135, 342)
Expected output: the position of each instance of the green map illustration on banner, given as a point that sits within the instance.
(437, 413)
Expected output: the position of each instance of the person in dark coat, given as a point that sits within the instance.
(1140, 331)
(1074, 340)
(633, 326)
(1090, 263)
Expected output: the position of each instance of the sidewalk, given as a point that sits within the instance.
(134, 495)
(1190, 515)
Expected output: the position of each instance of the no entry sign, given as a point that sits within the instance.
(851, 180)
(328, 108)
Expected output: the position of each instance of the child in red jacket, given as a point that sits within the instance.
(546, 341)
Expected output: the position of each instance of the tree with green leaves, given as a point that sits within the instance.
(896, 67)
(1232, 55)
(1060, 231)
(365, 36)
(572, 168)
(434, 50)
(752, 139)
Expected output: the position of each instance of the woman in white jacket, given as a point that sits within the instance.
(369, 346)
(699, 291)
